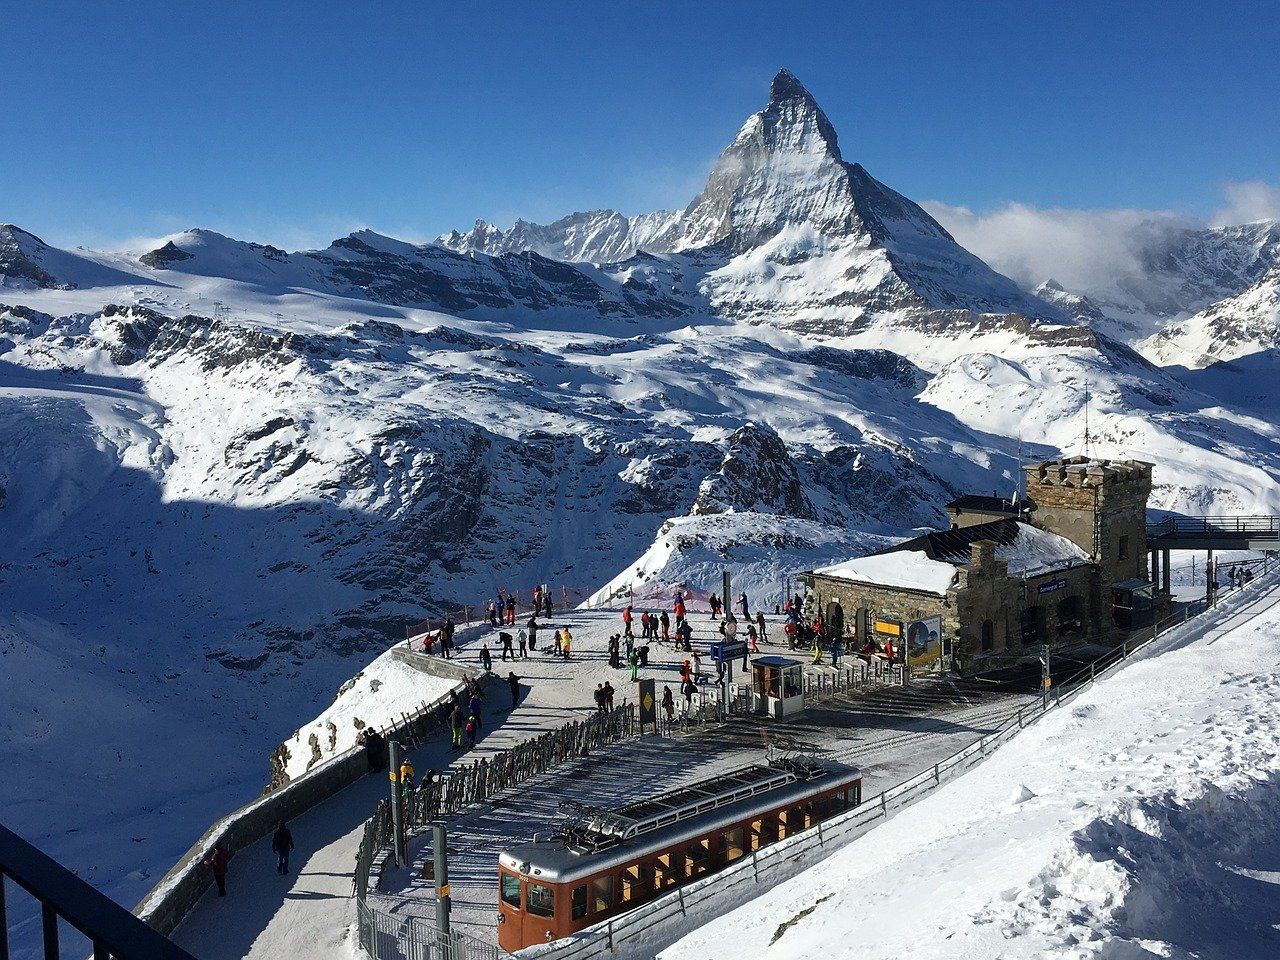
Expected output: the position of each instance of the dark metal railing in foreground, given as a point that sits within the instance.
(1209, 526)
(112, 930)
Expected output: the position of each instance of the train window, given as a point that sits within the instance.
(579, 902)
(698, 858)
(733, 845)
(667, 870)
(635, 881)
(757, 834)
(540, 900)
(601, 893)
(510, 890)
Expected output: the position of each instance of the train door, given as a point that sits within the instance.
(540, 912)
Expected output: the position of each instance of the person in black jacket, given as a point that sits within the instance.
(281, 844)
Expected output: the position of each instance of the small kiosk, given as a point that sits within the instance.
(778, 683)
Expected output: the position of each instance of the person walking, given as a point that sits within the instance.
(608, 696)
(491, 610)
(626, 621)
(486, 658)
(508, 645)
(751, 638)
(697, 667)
(714, 602)
(566, 642)
(598, 696)
(688, 689)
(668, 703)
(473, 726)
(678, 608)
(457, 720)
(217, 861)
(615, 655)
(559, 645)
(523, 638)
(644, 625)
(665, 622)
(836, 650)
(533, 632)
(764, 634)
(817, 650)
(633, 659)
(743, 605)
(513, 684)
(281, 844)
(511, 611)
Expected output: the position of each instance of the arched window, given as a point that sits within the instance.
(988, 636)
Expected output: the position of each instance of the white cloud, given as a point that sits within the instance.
(1085, 250)
(1247, 201)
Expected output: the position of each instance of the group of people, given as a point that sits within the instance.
(501, 611)
(527, 638)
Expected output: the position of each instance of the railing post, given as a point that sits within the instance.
(49, 923)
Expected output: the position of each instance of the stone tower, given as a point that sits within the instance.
(1101, 506)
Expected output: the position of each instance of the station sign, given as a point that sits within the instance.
(1059, 584)
(722, 650)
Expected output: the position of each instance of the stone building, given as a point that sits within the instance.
(1063, 565)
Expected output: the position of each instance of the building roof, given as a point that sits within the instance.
(983, 504)
(930, 563)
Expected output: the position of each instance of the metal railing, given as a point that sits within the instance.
(1209, 526)
(386, 937)
(112, 930)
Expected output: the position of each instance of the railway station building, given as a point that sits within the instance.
(1063, 565)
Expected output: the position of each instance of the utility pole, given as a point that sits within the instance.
(397, 814)
(1045, 677)
(440, 849)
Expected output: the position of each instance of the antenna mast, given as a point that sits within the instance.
(1087, 442)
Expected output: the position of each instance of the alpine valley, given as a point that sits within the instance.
(230, 474)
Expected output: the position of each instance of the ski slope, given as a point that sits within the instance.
(1137, 821)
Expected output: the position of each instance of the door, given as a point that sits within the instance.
(835, 619)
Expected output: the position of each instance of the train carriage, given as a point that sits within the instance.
(610, 862)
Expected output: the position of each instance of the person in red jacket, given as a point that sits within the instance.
(217, 861)
(626, 621)
(679, 609)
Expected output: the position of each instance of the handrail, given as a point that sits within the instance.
(1172, 526)
(113, 930)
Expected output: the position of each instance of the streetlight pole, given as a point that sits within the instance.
(397, 831)
(1044, 676)
(440, 849)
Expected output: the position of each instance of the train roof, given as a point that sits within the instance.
(611, 838)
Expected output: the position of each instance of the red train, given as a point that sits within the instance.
(614, 861)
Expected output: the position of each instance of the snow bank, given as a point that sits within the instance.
(374, 697)
(1137, 821)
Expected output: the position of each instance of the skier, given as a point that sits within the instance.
(281, 844)
(644, 625)
(678, 608)
(217, 860)
(486, 658)
(626, 621)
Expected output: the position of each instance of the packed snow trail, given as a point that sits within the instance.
(1139, 820)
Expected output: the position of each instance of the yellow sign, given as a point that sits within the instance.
(392, 775)
(444, 891)
(648, 701)
(1048, 682)
(889, 628)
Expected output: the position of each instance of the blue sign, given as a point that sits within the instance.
(1052, 585)
(727, 650)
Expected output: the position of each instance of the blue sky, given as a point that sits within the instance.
(297, 122)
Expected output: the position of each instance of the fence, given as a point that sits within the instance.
(563, 597)
(112, 931)
(384, 937)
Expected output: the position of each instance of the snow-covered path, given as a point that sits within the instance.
(1138, 821)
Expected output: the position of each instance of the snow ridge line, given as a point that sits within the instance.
(699, 902)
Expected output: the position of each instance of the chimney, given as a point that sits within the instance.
(983, 553)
